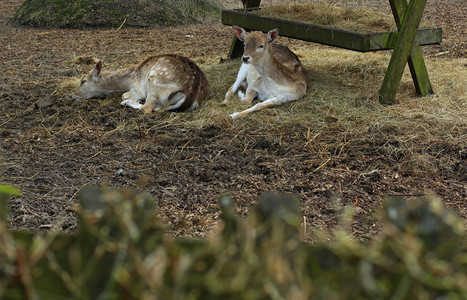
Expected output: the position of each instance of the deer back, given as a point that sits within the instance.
(286, 65)
(181, 73)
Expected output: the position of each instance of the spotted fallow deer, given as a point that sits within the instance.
(273, 73)
(165, 82)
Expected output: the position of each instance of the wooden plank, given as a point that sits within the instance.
(387, 40)
(416, 62)
(323, 35)
(306, 32)
(402, 50)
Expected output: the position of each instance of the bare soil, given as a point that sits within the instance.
(51, 148)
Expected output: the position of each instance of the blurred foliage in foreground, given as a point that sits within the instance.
(121, 252)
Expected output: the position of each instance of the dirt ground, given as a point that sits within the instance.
(51, 148)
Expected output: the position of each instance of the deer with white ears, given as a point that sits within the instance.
(273, 73)
(165, 82)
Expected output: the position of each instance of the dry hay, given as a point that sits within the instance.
(360, 19)
(341, 114)
(338, 127)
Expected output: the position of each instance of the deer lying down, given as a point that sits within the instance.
(165, 82)
(272, 72)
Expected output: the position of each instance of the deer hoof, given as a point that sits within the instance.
(126, 96)
(234, 115)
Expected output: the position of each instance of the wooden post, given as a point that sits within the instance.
(407, 30)
(236, 48)
(251, 3)
(416, 63)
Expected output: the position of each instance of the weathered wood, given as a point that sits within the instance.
(251, 3)
(402, 50)
(306, 32)
(323, 35)
(236, 48)
(416, 62)
(387, 40)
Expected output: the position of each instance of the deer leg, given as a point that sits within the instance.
(249, 96)
(265, 104)
(126, 95)
(134, 94)
(131, 103)
(146, 107)
(152, 101)
(250, 93)
(241, 76)
(175, 102)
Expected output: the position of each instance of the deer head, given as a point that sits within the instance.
(256, 44)
(90, 87)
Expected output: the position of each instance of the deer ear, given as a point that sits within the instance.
(239, 32)
(272, 35)
(97, 70)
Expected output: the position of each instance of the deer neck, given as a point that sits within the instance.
(268, 65)
(118, 81)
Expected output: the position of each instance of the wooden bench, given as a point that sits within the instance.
(405, 42)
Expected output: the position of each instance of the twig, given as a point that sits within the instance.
(323, 164)
(121, 25)
(78, 191)
(183, 147)
(96, 154)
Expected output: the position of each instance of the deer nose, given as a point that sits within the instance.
(245, 58)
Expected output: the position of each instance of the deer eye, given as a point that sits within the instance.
(83, 81)
(260, 46)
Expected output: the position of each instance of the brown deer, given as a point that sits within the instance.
(164, 82)
(273, 73)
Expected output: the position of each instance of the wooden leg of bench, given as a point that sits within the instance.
(407, 18)
(236, 48)
(419, 72)
(416, 62)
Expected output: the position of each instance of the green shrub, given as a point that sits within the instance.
(113, 13)
(121, 252)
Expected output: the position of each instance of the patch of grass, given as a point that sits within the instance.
(341, 109)
(114, 13)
